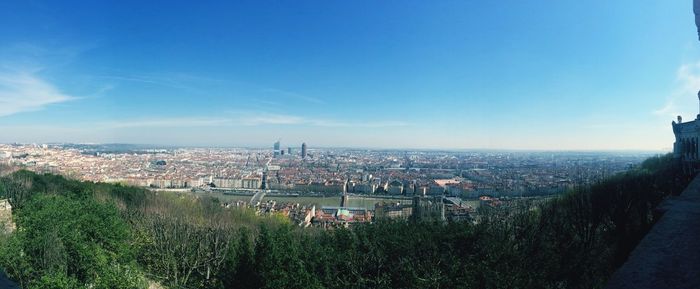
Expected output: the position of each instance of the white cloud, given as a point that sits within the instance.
(263, 118)
(683, 100)
(294, 95)
(24, 91)
(167, 122)
(271, 119)
(366, 124)
(245, 119)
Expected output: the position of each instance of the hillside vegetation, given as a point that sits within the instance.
(74, 234)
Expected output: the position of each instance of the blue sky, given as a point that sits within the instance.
(557, 74)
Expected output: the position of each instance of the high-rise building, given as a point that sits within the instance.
(303, 150)
(289, 150)
(276, 148)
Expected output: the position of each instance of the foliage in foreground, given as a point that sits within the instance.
(65, 242)
(74, 235)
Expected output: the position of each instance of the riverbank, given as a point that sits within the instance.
(354, 201)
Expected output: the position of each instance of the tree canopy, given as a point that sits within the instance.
(75, 234)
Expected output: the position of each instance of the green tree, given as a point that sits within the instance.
(243, 273)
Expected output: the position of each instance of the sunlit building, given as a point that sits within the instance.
(687, 135)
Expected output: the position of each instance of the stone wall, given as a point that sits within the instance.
(669, 255)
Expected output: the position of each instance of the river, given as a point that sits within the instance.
(353, 201)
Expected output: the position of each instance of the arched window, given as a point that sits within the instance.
(683, 150)
(687, 148)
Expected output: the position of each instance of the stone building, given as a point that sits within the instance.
(687, 137)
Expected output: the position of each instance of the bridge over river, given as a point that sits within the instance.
(355, 201)
(257, 198)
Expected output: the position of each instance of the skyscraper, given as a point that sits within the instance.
(303, 150)
(276, 148)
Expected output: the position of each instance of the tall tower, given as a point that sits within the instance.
(303, 150)
(276, 148)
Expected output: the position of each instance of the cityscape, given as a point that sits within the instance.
(349, 144)
(304, 182)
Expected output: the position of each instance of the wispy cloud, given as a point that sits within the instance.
(271, 119)
(367, 124)
(683, 100)
(22, 91)
(264, 118)
(154, 80)
(245, 119)
(168, 122)
(31, 57)
(23, 67)
(294, 95)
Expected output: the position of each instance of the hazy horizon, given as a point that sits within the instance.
(562, 76)
(297, 148)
